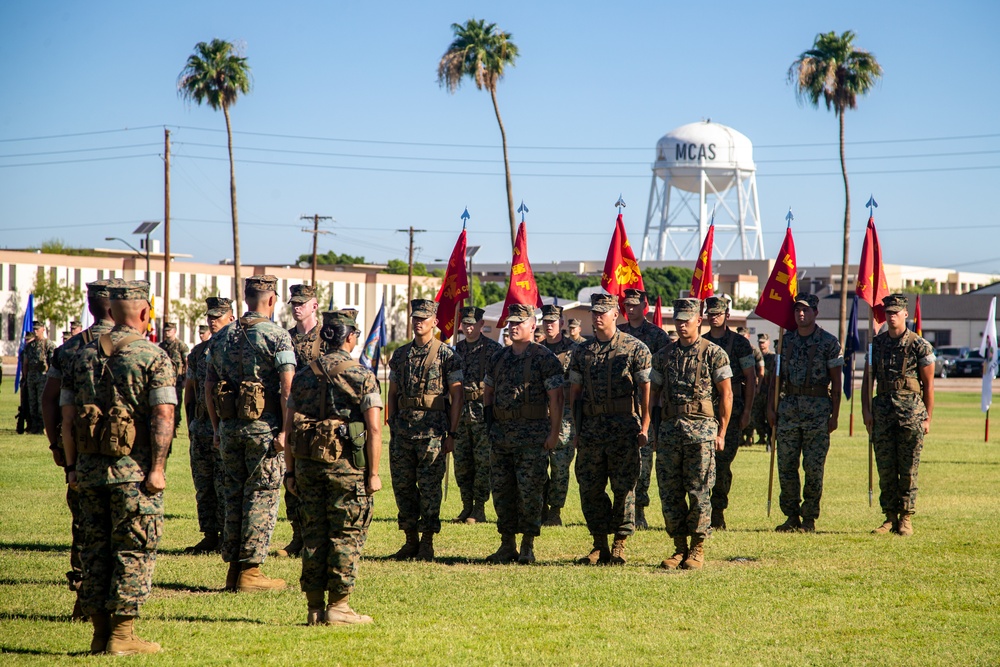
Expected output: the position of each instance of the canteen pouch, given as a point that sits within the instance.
(118, 435)
(316, 439)
(357, 435)
(225, 400)
(87, 429)
(250, 403)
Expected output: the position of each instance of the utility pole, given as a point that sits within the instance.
(409, 279)
(315, 231)
(166, 225)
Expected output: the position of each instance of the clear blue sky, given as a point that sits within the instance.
(357, 77)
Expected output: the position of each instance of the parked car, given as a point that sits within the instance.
(970, 366)
(944, 363)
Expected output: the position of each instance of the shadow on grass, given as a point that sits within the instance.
(186, 588)
(51, 618)
(211, 619)
(962, 463)
(32, 546)
(35, 582)
(34, 651)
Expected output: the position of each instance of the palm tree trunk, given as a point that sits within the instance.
(238, 296)
(506, 169)
(842, 329)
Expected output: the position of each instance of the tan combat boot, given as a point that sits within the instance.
(527, 555)
(252, 580)
(905, 528)
(718, 519)
(600, 554)
(232, 576)
(478, 513)
(464, 514)
(696, 554)
(507, 553)
(680, 553)
(425, 550)
(554, 517)
(338, 612)
(410, 547)
(618, 550)
(890, 525)
(314, 602)
(293, 548)
(123, 640)
(102, 631)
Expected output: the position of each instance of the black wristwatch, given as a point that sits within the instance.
(289, 474)
(452, 434)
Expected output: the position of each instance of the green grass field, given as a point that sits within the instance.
(840, 596)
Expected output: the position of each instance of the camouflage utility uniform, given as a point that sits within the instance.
(334, 507)
(561, 458)
(740, 355)
(207, 471)
(898, 413)
(37, 357)
(472, 448)
(518, 459)
(252, 348)
(759, 376)
(416, 462)
(121, 521)
(63, 363)
(655, 339)
(178, 352)
(685, 377)
(804, 409)
(609, 374)
(759, 418)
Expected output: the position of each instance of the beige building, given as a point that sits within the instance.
(360, 287)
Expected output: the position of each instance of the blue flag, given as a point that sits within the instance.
(377, 339)
(26, 328)
(851, 345)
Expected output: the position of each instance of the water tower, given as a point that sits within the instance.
(700, 168)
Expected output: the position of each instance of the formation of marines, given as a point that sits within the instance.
(268, 407)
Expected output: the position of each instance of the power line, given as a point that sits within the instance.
(83, 134)
(92, 159)
(78, 150)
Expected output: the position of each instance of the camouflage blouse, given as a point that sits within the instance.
(895, 359)
(474, 359)
(675, 373)
(405, 372)
(305, 346)
(651, 335)
(144, 377)
(609, 370)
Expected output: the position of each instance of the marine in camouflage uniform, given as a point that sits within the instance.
(573, 330)
(121, 496)
(900, 415)
(37, 357)
(606, 374)
(760, 387)
(178, 352)
(655, 338)
(743, 384)
(308, 346)
(687, 375)
(207, 470)
(807, 413)
(524, 395)
(424, 375)
(252, 349)
(62, 364)
(560, 458)
(334, 490)
(472, 447)
(759, 413)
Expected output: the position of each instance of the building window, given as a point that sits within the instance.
(181, 284)
(77, 277)
(1, 276)
(194, 285)
(100, 274)
(938, 337)
(347, 294)
(159, 284)
(11, 326)
(215, 284)
(357, 294)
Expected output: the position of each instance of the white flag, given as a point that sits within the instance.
(988, 349)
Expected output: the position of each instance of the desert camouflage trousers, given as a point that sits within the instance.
(685, 474)
(335, 512)
(254, 472)
(121, 526)
(472, 462)
(417, 470)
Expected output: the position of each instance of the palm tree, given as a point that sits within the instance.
(481, 52)
(836, 72)
(217, 74)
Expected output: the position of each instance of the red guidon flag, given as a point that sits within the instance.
(454, 290)
(918, 320)
(658, 315)
(701, 283)
(872, 287)
(522, 287)
(621, 271)
(777, 300)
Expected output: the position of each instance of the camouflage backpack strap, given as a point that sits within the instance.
(321, 376)
(702, 353)
(317, 343)
(110, 348)
(87, 336)
(428, 363)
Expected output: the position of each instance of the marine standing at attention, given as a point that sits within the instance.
(560, 458)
